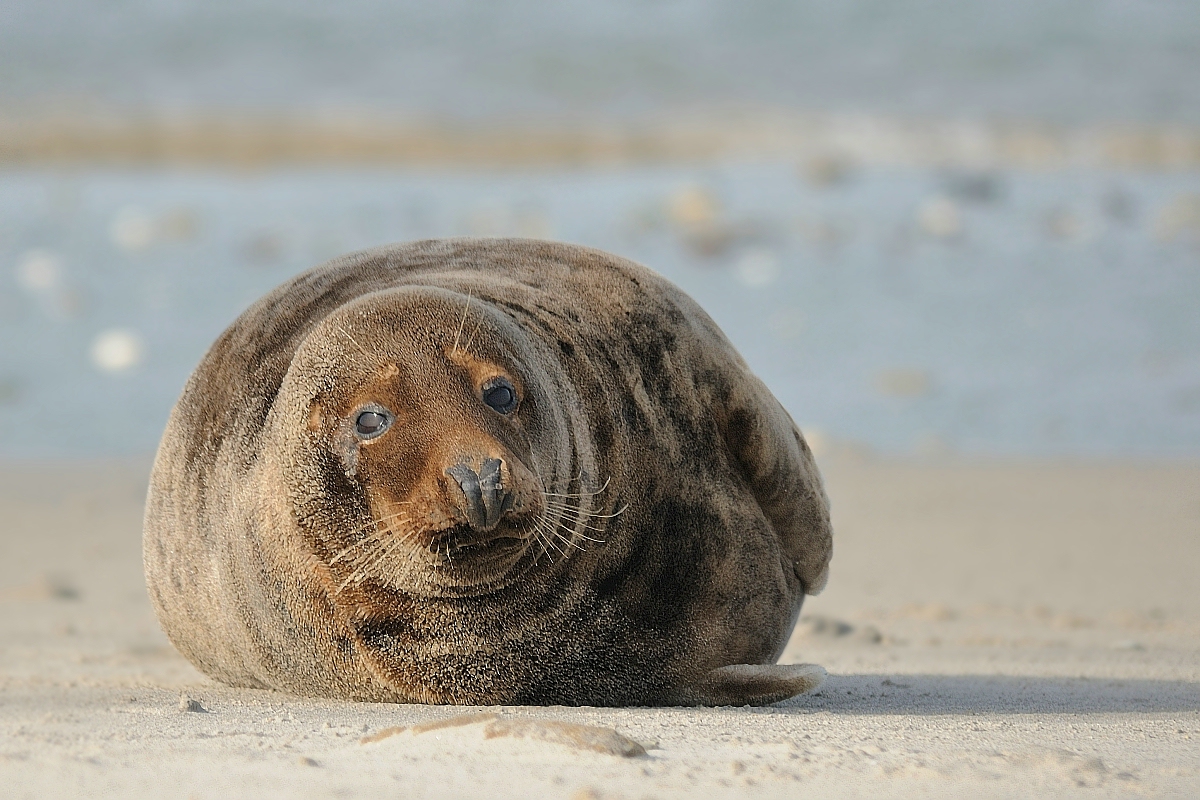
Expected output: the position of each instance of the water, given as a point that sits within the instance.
(908, 310)
(1071, 61)
(911, 311)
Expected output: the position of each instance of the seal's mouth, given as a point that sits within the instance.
(462, 545)
(454, 559)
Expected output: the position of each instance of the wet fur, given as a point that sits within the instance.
(701, 525)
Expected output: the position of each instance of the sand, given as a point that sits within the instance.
(257, 141)
(990, 629)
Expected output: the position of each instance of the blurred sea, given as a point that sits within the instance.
(988, 313)
(900, 291)
(1063, 61)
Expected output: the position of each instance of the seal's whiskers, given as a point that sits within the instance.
(471, 338)
(370, 537)
(579, 494)
(571, 519)
(461, 323)
(584, 518)
(582, 513)
(378, 558)
(361, 570)
(578, 523)
(550, 536)
(374, 521)
(353, 341)
(545, 533)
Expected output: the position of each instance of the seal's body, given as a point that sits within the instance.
(485, 471)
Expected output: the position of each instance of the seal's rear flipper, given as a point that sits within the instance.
(755, 684)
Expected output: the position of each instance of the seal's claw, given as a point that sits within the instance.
(755, 684)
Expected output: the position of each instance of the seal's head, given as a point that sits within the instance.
(427, 444)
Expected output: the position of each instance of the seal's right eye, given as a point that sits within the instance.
(500, 395)
(371, 423)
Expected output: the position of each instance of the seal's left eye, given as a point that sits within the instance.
(500, 395)
(370, 424)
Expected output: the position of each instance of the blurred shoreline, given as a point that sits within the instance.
(922, 311)
(358, 139)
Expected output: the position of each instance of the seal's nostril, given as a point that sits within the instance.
(489, 473)
(484, 495)
(495, 495)
(473, 506)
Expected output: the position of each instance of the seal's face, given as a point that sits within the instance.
(431, 436)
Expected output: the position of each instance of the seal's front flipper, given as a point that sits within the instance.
(755, 684)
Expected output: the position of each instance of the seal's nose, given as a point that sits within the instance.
(484, 495)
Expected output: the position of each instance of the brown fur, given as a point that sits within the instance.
(667, 516)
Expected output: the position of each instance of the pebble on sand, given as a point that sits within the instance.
(939, 217)
(827, 170)
(1062, 224)
(578, 737)
(39, 271)
(189, 704)
(757, 268)
(10, 390)
(692, 206)
(905, 383)
(818, 627)
(47, 586)
(1179, 219)
(116, 350)
(132, 229)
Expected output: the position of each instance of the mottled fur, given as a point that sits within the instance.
(701, 518)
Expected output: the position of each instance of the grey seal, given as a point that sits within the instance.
(485, 471)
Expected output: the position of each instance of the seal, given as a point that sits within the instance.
(485, 471)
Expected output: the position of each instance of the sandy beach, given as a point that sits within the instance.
(959, 242)
(991, 629)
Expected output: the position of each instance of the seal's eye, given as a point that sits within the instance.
(372, 422)
(500, 395)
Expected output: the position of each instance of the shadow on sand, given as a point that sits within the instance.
(994, 694)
